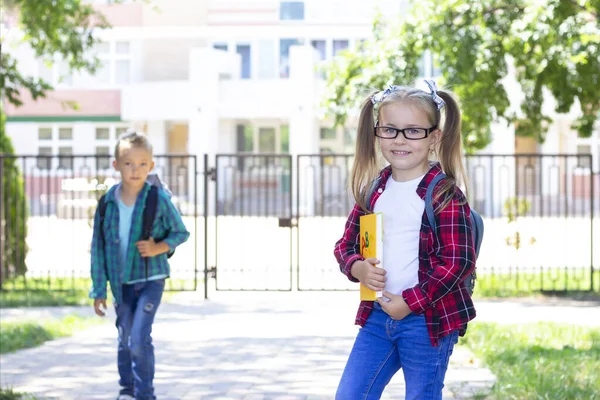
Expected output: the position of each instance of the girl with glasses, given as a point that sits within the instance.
(425, 306)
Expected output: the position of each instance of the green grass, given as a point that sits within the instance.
(19, 335)
(9, 394)
(56, 292)
(52, 292)
(523, 284)
(538, 361)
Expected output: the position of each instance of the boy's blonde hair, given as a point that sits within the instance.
(134, 139)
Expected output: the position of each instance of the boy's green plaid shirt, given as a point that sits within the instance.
(168, 227)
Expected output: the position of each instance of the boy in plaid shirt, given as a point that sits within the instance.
(136, 268)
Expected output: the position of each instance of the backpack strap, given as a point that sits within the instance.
(372, 190)
(477, 226)
(148, 216)
(102, 206)
(429, 200)
(149, 212)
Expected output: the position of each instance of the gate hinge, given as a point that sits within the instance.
(212, 272)
(211, 173)
(288, 222)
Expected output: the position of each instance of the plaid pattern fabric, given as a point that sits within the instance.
(168, 227)
(445, 260)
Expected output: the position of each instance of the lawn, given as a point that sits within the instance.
(19, 335)
(9, 394)
(538, 361)
(56, 292)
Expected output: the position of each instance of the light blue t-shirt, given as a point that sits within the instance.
(125, 218)
(125, 215)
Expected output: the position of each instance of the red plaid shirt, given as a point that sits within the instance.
(445, 260)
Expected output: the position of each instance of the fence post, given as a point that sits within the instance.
(592, 221)
(206, 174)
(2, 222)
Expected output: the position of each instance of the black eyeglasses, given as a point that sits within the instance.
(388, 132)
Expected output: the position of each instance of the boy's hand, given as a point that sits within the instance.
(147, 248)
(395, 307)
(97, 304)
(369, 275)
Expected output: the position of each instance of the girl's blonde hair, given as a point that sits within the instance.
(366, 166)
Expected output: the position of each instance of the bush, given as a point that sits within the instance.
(13, 212)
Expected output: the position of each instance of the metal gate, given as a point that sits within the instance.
(253, 222)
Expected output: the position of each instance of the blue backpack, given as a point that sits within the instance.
(476, 222)
(476, 230)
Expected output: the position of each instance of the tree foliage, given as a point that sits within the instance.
(553, 46)
(63, 28)
(13, 211)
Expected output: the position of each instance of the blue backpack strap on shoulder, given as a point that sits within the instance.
(149, 212)
(372, 190)
(102, 205)
(477, 226)
(429, 200)
(148, 217)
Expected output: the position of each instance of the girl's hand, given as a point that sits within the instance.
(369, 275)
(396, 307)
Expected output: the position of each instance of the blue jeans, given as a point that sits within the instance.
(135, 356)
(383, 346)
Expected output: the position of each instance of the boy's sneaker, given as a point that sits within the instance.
(125, 397)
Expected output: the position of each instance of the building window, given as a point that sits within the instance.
(45, 71)
(122, 72)
(64, 159)
(44, 162)
(102, 133)
(115, 60)
(103, 157)
(220, 46)
(268, 60)
(291, 11)
(121, 131)
(45, 133)
(65, 133)
(328, 133)
(65, 77)
(320, 46)
(55, 72)
(266, 140)
(284, 138)
(122, 47)
(584, 162)
(244, 51)
(339, 45)
(284, 56)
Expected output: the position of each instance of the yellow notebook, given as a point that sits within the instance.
(371, 246)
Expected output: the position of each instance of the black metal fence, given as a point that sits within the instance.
(539, 212)
(49, 206)
(541, 220)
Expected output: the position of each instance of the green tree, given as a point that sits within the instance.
(63, 28)
(554, 46)
(13, 212)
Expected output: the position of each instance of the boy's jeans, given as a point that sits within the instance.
(383, 346)
(135, 357)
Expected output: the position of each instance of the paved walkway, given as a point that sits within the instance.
(240, 346)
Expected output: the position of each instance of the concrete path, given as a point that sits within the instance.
(242, 346)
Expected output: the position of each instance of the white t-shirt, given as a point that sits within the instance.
(402, 210)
